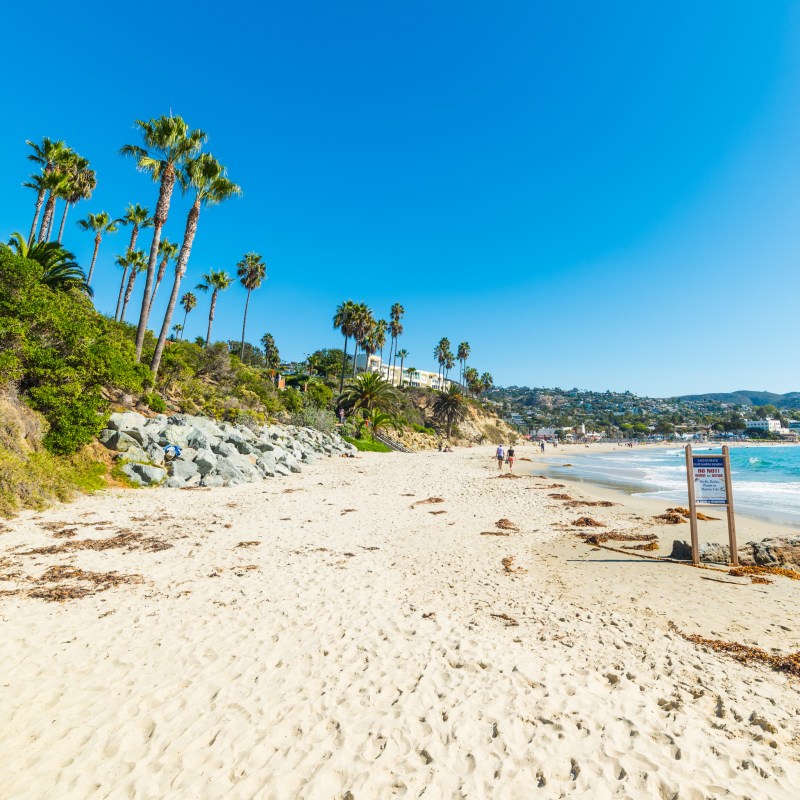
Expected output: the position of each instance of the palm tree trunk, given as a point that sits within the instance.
(344, 366)
(63, 220)
(183, 327)
(39, 201)
(128, 293)
(121, 290)
(48, 212)
(244, 323)
(355, 358)
(388, 372)
(211, 315)
(162, 268)
(52, 220)
(180, 270)
(159, 220)
(134, 237)
(401, 371)
(94, 258)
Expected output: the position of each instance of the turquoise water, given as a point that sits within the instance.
(766, 480)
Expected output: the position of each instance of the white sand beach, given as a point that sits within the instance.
(329, 636)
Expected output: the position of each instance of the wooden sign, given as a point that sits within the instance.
(709, 479)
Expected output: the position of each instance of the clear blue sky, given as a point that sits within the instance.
(602, 195)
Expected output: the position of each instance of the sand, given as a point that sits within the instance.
(327, 636)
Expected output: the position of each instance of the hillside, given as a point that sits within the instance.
(747, 397)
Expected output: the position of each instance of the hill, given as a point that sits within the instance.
(747, 397)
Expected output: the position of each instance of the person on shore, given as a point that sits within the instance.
(510, 458)
(541, 445)
(500, 455)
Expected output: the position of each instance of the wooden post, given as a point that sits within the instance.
(692, 506)
(731, 518)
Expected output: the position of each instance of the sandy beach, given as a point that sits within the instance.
(333, 635)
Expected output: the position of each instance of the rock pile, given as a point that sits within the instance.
(212, 454)
(776, 551)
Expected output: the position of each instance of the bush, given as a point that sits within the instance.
(292, 400)
(368, 445)
(318, 395)
(318, 418)
(155, 402)
(423, 429)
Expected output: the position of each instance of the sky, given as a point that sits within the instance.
(593, 195)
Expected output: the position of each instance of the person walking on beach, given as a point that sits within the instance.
(500, 455)
(510, 459)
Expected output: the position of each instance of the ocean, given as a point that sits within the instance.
(766, 480)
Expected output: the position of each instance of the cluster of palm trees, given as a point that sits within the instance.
(171, 154)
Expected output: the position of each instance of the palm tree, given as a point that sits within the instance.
(177, 331)
(396, 329)
(137, 216)
(272, 357)
(471, 379)
(82, 182)
(60, 271)
(462, 354)
(134, 260)
(363, 323)
(57, 184)
(46, 155)
(440, 354)
(166, 251)
(188, 303)
(217, 281)
(486, 382)
(251, 271)
(378, 419)
(168, 145)
(449, 408)
(376, 340)
(402, 354)
(99, 223)
(368, 391)
(343, 321)
(206, 177)
(125, 263)
(449, 363)
(410, 372)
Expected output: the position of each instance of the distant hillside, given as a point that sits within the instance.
(746, 397)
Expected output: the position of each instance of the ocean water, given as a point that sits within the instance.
(766, 480)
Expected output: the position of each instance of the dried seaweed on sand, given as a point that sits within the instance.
(125, 538)
(510, 569)
(590, 503)
(507, 475)
(248, 544)
(745, 653)
(560, 496)
(495, 533)
(587, 522)
(441, 511)
(670, 518)
(647, 546)
(509, 621)
(506, 525)
(56, 583)
(741, 572)
(617, 536)
(427, 501)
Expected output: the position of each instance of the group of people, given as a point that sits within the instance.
(505, 455)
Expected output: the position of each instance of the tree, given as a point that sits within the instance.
(169, 144)
(462, 354)
(188, 303)
(251, 271)
(99, 224)
(60, 270)
(449, 408)
(272, 357)
(166, 251)
(375, 340)
(47, 155)
(135, 261)
(440, 354)
(177, 330)
(411, 371)
(379, 420)
(138, 217)
(81, 183)
(402, 354)
(56, 183)
(215, 281)
(449, 363)
(486, 382)
(395, 329)
(206, 177)
(363, 322)
(472, 380)
(343, 321)
(367, 391)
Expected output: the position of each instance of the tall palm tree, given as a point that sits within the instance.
(462, 354)
(449, 408)
(168, 145)
(206, 177)
(440, 354)
(251, 271)
(135, 260)
(343, 321)
(177, 332)
(60, 271)
(363, 323)
(271, 355)
(137, 216)
(402, 354)
(410, 371)
(471, 379)
(100, 224)
(166, 251)
(82, 182)
(486, 382)
(449, 363)
(376, 340)
(125, 263)
(57, 185)
(188, 303)
(368, 391)
(46, 155)
(395, 329)
(215, 281)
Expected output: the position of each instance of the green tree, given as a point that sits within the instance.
(57, 185)
(48, 155)
(169, 144)
(343, 321)
(379, 420)
(272, 357)
(167, 251)
(82, 181)
(136, 263)
(206, 177)
(368, 391)
(462, 354)
(251, 271)
(440, 354)
(214, 281)
(402, 354)
(99, 224)
(362, 324)
(395, 329)
(188, 304)
(449, 408)
(59, 269)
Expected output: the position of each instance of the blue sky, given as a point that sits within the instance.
(593, 195)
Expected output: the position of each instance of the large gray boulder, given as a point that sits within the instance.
(775, 551)
(126, 421)
(183, 470)
(206, 461)
(144, 474)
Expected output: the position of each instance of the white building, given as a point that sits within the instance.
(418, 378)
(770, 425)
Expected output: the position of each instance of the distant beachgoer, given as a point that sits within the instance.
(500, 455)
(510, 458)
(341, 415)
(541, 445)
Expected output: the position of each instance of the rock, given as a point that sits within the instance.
(120, 441)
(206, 461)
(184, 470)
(174, 434)
(105, 436)
(126, 421)
(229, 474)
(291, 462)
(144, 474)
(134, 454)
(282, 469)
(198, 440)
(225, 450)
(212, 480)
(266, 464)
(776, 551)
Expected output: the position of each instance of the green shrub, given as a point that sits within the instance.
(368, 445)
(423, 429)
(292, 400)
(155, 402)
(319, 418)
(318, 395)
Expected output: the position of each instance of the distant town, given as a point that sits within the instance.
(591, 416)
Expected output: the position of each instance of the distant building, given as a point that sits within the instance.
(418, 378)
(769, 425)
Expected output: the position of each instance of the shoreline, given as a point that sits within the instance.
(367, 627)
